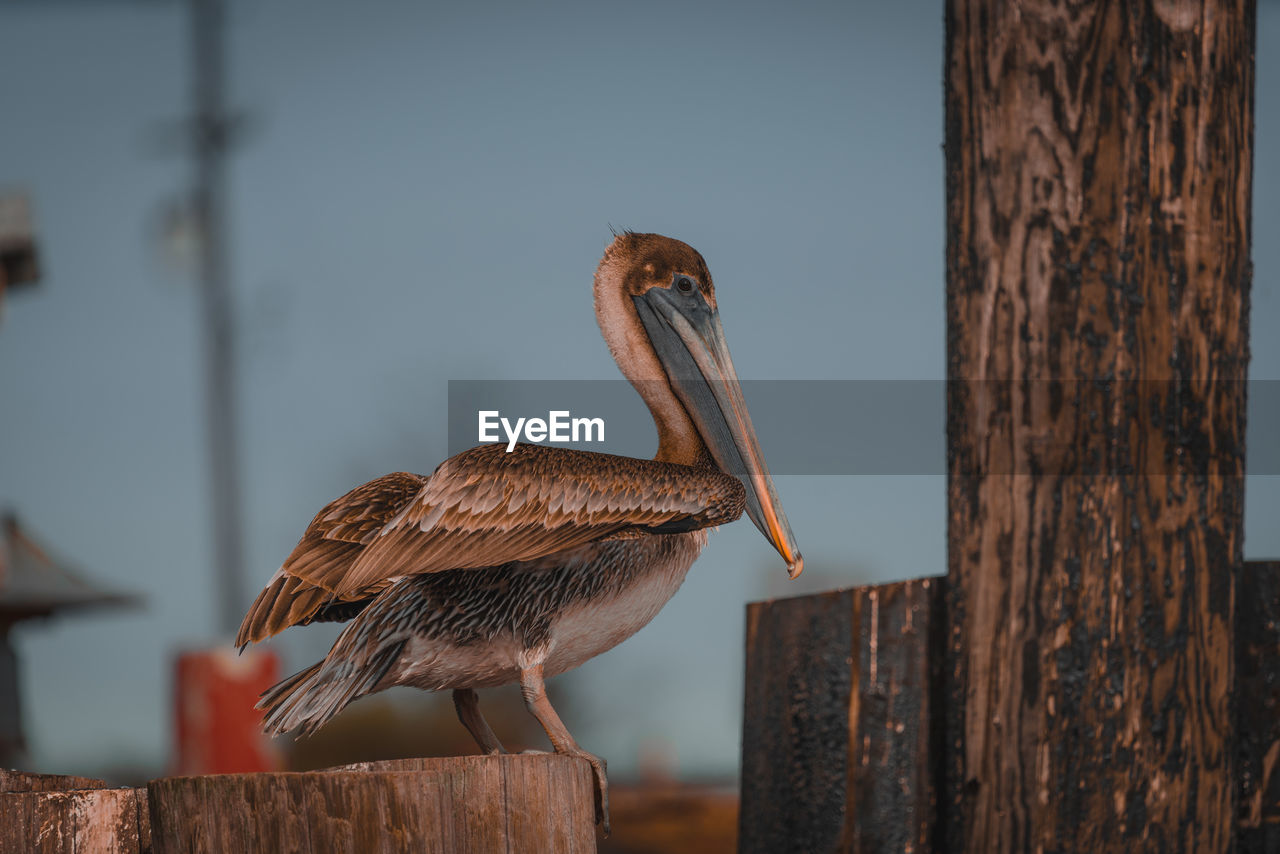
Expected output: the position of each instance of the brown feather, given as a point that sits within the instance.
(303, 587)
(358, 516)
(486, 507)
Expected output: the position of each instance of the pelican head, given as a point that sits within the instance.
(656, 306)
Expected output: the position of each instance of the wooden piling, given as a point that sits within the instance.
(1099, 165)
(528, 803)
(838, 748)
(56, 814)
(1257, 716)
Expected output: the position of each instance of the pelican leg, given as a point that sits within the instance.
(535, 697)
(468, 706)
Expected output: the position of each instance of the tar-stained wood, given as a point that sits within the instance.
(1099, 163)
(838, 751)
(1258, 706)
(526, 803)
(56, 814)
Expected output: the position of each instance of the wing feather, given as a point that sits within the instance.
(482, 508)
(303, 586)
(487, 507)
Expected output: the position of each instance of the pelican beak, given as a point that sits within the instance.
(687, 336)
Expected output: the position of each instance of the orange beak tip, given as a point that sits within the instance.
(796, 565)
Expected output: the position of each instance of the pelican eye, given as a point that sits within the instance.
(685, 284)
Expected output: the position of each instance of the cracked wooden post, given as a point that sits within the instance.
(51, 814)
(1099, 161)
(537, 803)
(838, 744)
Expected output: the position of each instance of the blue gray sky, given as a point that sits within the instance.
(422, 196)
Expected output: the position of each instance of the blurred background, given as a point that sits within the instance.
(419, 192)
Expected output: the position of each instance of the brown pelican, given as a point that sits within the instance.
(507, 567)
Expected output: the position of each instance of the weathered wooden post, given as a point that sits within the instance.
(1099, 160)
(51, 814)
(537, 803)
(1257, 723)
(838, 746)
(1098, 213)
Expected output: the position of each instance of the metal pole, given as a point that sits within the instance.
(211, 131)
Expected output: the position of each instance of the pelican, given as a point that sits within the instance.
(506, 567)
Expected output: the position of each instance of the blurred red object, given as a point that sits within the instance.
(218, 729)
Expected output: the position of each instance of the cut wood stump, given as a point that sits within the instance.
(527, 803)
(840, 738)
(51, 813)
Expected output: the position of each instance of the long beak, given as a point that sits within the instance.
(689, 341)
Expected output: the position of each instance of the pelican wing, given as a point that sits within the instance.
(297, 594)
(486, 507)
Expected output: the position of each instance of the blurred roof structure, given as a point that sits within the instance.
(35, 584)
